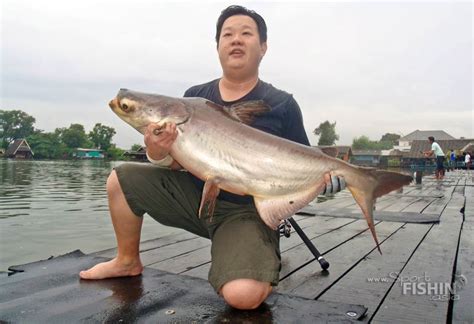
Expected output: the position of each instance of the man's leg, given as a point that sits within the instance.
(127, 227)
(245, 256)
(245, 293)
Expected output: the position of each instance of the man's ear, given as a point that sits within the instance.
(263, 50)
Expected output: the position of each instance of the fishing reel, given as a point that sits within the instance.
(285, 228)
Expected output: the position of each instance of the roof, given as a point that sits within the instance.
(341, 149)
(88, 150)
(468, 148)
(366, 152)
(446, 145)
(18, 145)
(423, 135)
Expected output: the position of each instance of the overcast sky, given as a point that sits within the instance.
(371, 66)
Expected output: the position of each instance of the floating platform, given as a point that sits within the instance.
(425, 274)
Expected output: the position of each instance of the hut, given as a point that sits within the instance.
(405, 142)
(366, 157)
(84, 153)
(139, 155)
(19, 149)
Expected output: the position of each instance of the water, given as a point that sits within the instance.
(54, 207)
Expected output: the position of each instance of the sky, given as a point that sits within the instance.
(373, 67)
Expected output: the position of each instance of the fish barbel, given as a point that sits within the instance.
(216, 144)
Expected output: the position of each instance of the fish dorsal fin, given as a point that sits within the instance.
(330, 150)
(273, 210)
(244, 112)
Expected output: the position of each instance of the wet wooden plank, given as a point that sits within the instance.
(152, 244)
(310, 281)
(371, 279)
(463, 312)
(383, 215)
(433, 261)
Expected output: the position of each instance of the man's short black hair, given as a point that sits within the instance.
(239, 10)
(431, 138)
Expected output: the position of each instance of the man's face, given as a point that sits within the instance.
(239, 45)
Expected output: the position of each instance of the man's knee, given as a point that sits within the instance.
(245, 293)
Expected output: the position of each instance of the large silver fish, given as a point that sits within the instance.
(216, 144)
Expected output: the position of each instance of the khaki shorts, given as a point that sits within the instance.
(242, 245)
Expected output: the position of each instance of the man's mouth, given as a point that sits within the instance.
(237, 52)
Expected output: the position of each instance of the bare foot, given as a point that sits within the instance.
(112, 269)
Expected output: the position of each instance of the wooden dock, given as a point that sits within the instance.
(425, 275)
(426, 272)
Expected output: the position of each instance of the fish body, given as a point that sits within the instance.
(215, 144)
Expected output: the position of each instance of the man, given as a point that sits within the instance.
(452, 160)
(467, 161)
(437, 152)
(245, 252)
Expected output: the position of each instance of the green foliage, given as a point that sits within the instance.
(47, 145)
(101, 136)
(389, 140)
(74, 136)
(364, 143)
(327, 133)
(115, 153)
(14, 124)
(135, 147)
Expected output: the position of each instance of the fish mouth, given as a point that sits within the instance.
(113, 104)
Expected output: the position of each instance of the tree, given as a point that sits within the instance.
(389, 140)
(135, 147)
(14, 124)
(46, 145)
(327, 133)
(101, 136)
(364, 143)
(73, 137)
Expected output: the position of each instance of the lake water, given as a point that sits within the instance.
(54, 207)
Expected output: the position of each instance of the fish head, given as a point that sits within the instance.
(141, 109)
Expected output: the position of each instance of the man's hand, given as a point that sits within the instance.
(158, 140)
(333, 184)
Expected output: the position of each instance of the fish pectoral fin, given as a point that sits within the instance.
(247, 111)
(244, 112)
(209, 195)
(273, 210)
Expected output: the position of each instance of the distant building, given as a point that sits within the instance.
(139, 155)
(343, 152)
(468, 148)
(415, 156)
(19, 149)
(366, 157)
(404, 143)
(83, 153)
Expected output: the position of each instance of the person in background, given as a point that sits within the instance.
(452, 160)
(438, 153)
(468, 161)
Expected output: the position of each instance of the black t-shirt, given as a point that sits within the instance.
(284, 119)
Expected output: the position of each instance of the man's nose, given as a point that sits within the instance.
(236, 39)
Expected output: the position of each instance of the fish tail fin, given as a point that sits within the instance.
(366, 185)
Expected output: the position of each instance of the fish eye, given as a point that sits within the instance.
(125, 107)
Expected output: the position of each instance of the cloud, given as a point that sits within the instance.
(372, 67)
